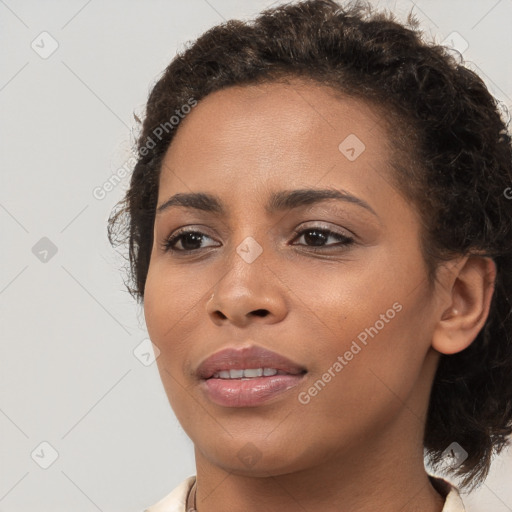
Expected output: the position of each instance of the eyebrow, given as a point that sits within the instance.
(279, 201)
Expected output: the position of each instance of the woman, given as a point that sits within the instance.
(320, 234)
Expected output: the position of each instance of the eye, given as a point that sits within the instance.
(189, 240)
(318, 236)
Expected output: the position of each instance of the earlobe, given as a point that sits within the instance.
(470, 287)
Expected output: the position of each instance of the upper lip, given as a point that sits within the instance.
(246, 357)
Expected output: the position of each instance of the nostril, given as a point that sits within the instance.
(260, 312)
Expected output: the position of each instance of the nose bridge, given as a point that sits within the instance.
(249, 249)
(245, 268)
(249, 238)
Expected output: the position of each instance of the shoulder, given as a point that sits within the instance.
(175, 501)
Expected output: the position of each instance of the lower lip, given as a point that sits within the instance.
(248, 393)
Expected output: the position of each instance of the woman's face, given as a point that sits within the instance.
(356, 315)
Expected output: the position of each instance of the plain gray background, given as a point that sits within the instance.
(70, 333)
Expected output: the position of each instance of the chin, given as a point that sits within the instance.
(259, 457)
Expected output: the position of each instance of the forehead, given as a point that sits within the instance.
(260, 136)
(296, 109)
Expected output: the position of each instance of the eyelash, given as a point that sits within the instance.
(346, 241)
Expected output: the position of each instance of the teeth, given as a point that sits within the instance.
(248, 373)
(254, 372)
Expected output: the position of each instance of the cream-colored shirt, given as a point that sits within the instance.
(177, 499)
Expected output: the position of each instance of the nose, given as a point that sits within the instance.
(248, 293)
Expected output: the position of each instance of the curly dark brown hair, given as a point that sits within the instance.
(451, 131)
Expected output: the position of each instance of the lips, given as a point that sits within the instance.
(248, 377)
(247, 358)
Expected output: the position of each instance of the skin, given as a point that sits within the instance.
(357, 445)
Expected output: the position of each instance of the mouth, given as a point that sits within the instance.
(248, 377)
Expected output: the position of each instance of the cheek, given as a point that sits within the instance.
(169, 297)
(365, 391)
(162, 311)
(375, 345)
(376, 362)
(155, 302)
(174, 311)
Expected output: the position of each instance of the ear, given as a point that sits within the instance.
(466, 291)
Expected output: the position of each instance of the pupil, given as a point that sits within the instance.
(314, 238)
(194, 238)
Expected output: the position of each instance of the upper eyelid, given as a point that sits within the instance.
(315, 225)
(320, 225)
